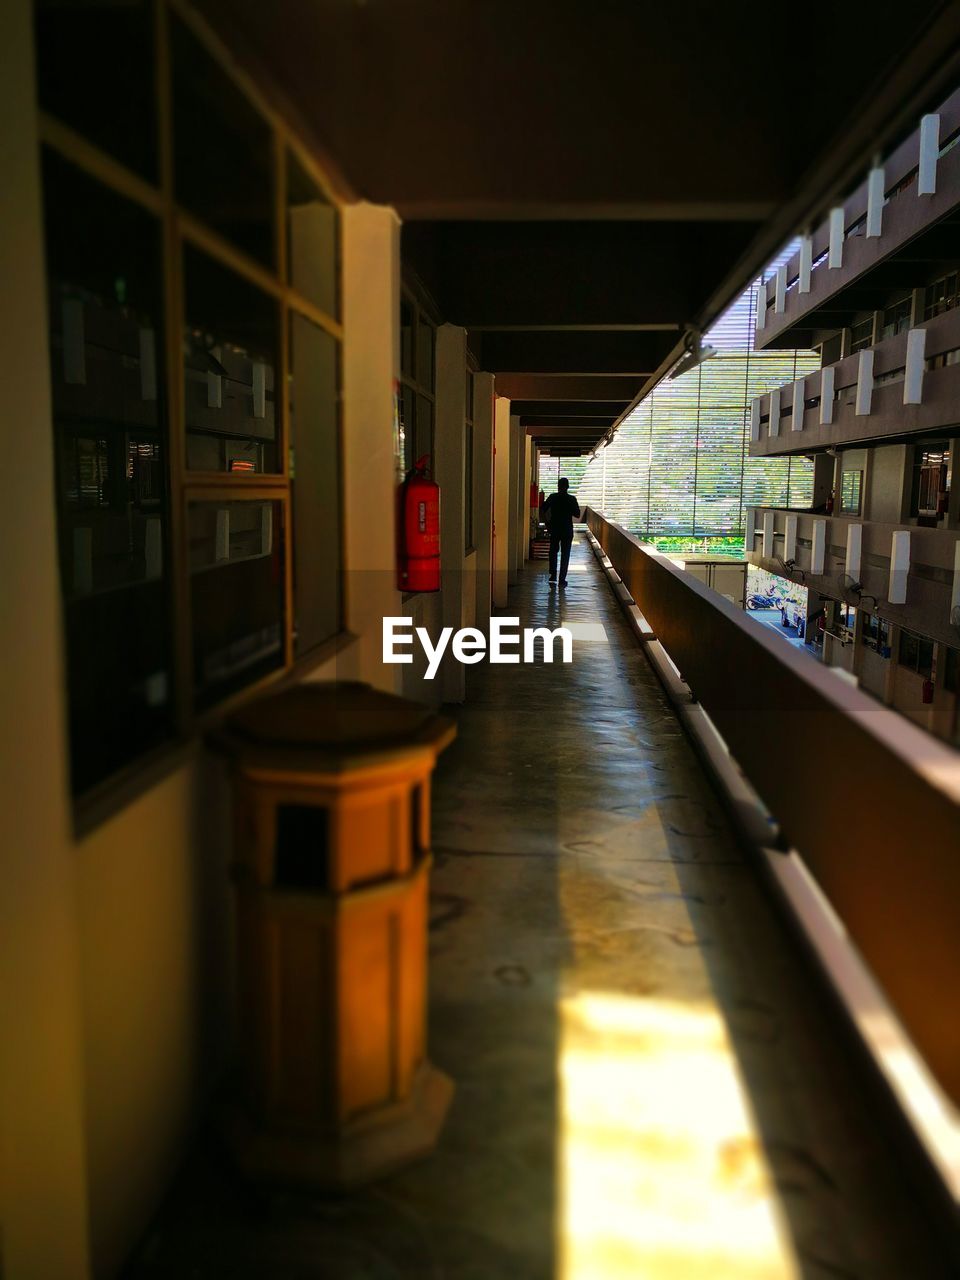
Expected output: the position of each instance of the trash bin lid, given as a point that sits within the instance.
(335, 719)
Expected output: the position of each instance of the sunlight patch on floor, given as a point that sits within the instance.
(661, 1171)
(587, 632)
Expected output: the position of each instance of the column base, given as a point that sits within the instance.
(368, 1148)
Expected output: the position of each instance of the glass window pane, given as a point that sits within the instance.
(222, 147)
(424, 431)
(468, 487)
(311, 239)
(314, 428)
(425, 341)
(408, 426)
(236, 552)
(109, 422)
(850, 485)
(909, 650)
(861, 335)
(406, 339)
(924, 656)
(95, 72)
(230, 357)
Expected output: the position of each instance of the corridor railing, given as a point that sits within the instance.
(870, 802)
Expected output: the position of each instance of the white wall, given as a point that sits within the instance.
(116, 949)
(450, 416)
(874, 673)
(43, 1176)
(526, 507)
(371, 363)
(154, 914)
(465, 577)
(908, 696)
(484, 402)
(514, 479)
(501, 502)
(885, 486)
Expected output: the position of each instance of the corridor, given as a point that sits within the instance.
(647, 1081)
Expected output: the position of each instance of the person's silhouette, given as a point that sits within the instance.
(559, 511)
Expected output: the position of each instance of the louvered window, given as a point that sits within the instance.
(678, 468)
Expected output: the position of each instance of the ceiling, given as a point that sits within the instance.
(581, 180)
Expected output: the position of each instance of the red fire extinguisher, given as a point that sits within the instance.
(927, 690)
(419, 549)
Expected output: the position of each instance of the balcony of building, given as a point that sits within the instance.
(911, 574)
(889, 232)
(638, 1037)
(905, 386)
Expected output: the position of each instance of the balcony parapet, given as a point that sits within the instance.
(905, 387)
(845, 246)
(789, 724)
(909, 575)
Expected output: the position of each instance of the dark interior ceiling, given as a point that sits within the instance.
(581, 179)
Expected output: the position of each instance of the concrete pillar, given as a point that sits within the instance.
(943, 709)
(810, 628)
(529, 473)
(890, 688)
(371, 467)
(484, 401)
(515, 561)
(501, 502)
(451, 367)
(953, 510)
(856, 661)
(43, 1165)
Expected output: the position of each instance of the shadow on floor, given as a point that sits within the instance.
(648, 1084)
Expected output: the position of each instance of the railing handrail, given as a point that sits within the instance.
(870, 801)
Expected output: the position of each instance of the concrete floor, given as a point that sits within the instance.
(648, 1082)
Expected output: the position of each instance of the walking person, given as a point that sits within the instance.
(559, 511)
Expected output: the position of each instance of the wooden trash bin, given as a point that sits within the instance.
(332, 858)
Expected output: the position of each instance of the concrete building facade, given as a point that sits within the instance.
(874, 288)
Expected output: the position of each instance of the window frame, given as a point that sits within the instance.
(941, 294)
(865, 340)
(896, 317)
(931, 459)
(410, 379)
(178, 229)
(875, 633)
(469, 463)
(920, 642)
(857, 486)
